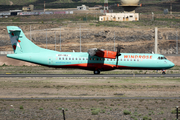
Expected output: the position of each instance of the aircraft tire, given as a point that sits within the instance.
(97, 72)
(163, 73)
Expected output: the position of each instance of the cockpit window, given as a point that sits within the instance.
(162, 58)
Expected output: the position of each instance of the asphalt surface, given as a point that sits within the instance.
(89, 75)
(36, 22)
(96, 98)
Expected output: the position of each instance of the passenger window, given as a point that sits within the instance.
(79, 58)
(59, 58)
(107, 59)
(121, 59)
(134, 59)
(69, 58)
(72, 58)
(137, 59)
(161, 58)
(66, 59)
(124, 59)
(86, 58)
(90, 58)
(94, 58)
(127, 59)
(62, 58)
(76, 59)
(83, 58)
(97, 59)
(131, 59)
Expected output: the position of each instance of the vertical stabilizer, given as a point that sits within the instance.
(19, 42)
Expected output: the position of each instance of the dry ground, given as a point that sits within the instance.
(135, 39)
(109, 109)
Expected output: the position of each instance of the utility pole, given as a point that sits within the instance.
(156, 40)
(55, 41)
(44, 6)
(177, 50)
(30, 32)
(60, 38)
(152, 16)
(46, 38)
(171, 7)
(80, 38)
(114, 40)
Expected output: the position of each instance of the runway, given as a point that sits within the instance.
(89, 75)
(96, 98)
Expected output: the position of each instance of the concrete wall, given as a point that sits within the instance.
(120, 17)
(9, 61)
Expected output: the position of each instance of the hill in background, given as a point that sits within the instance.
(39, 4)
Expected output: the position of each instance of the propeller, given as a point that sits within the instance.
(119, 47)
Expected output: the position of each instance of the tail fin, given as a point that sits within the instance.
(19, 41)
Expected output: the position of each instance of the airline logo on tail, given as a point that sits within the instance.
(14, 41)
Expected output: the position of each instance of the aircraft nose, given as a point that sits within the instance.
(171, 64)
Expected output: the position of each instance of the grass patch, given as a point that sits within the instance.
(21, 107)
(126, 112)
(95, 111)
(11, 110)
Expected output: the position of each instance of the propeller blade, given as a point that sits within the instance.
(119, 47)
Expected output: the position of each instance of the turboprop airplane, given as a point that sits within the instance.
(96, 60)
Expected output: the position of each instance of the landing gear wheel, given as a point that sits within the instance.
(97, 72)
(163, 73)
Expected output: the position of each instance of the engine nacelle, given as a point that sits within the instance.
(106, 54)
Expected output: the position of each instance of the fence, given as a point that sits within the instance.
(36, 13)
(80, 37)
(6, 52)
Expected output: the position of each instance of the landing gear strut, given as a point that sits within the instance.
(96, 71)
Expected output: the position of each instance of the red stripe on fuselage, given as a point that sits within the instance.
(103, 67)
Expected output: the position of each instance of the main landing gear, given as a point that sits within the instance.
(163, 72)
(96, 72)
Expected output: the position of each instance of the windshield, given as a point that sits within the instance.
(162, 58)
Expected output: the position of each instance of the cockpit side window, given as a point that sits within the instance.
(162, 58)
